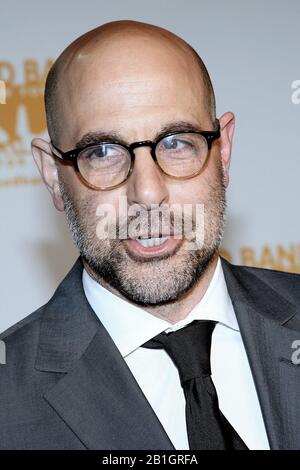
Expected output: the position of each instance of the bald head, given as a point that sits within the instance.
(111, 52)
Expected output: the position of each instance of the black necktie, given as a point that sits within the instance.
(189, 348)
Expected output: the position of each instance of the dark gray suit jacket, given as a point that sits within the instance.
(66, 386)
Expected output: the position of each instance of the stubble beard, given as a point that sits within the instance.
(147, 282)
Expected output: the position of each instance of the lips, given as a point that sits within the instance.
(147, 242)
(168, 246)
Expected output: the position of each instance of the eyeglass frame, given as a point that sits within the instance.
(72, 155)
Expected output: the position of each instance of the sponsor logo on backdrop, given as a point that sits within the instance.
(279, 257)
(22, 117)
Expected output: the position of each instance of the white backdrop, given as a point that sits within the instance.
(251, 49)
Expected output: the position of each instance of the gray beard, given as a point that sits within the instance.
(148, 282)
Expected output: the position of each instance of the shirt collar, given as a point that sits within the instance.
(131, 326)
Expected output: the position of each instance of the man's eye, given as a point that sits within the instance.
(102, 151)
(173, 143)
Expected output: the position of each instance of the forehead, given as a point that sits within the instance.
(131, 87)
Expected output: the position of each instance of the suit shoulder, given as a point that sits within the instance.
(272, 274)
(285, 283)
(24, 326)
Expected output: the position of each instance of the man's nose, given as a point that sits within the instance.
(146, 184)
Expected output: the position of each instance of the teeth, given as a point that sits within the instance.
(152, 241)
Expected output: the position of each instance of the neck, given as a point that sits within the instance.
(178, 309)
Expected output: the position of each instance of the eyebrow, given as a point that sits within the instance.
(112, 136)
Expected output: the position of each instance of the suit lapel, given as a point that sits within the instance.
(97, 396)
(269, 325)
(100, 400)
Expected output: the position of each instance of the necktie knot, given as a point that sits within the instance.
(188, 347)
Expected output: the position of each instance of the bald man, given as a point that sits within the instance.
(153, 340)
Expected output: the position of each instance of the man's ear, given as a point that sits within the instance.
(47, 167)
(227, 122)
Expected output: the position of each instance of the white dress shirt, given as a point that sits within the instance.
(130, 326)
